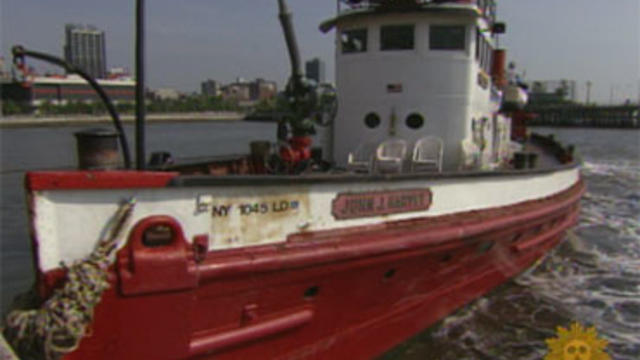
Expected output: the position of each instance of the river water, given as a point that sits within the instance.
(592, 278)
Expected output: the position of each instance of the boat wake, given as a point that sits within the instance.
(593, 277)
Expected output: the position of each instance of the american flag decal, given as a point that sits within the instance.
(394, 88)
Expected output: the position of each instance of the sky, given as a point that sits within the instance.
(189, 41)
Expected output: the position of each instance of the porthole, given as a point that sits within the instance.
(485, 247)
(446, 258)
(311, 292)
(372, 120)
(415, 121)
(389, 274)
(515, 237)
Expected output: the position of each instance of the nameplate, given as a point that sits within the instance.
(359, 205)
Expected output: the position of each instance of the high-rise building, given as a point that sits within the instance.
(314, 70)
(210, 88)
(85, 48)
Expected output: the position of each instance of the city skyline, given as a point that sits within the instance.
(581, 40)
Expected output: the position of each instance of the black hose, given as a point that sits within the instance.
(292, 47)
(20, 52)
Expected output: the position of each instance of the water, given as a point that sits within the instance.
(593, 277)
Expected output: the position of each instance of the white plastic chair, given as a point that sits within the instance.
(427, 154)
(390, 155)
(361, 160)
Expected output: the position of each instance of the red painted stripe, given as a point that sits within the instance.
(212, 343)
(45, 91)
(64, 91)
(76, 180)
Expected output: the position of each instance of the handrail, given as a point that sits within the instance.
(487, 7)
(19, 53)
(204, 343)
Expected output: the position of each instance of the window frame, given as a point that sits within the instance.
(365, 46)
(432, 33)
(397, 27)
(484, 52)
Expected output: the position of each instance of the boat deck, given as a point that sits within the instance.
(550, 157)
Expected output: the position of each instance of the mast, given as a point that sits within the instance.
(140, 105)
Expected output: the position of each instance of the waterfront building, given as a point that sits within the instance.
(60, 90)
(237, 91)
(552, 92)
(315, 70)
(85, 48)
(165, 94)
(249, 93)
(262, 89)
(117, 73)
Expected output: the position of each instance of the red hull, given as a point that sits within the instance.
(349, 294)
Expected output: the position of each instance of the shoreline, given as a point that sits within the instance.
(21, 121)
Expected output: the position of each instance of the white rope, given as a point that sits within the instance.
(56, 328)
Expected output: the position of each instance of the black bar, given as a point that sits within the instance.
(19, 51)
(140, 105)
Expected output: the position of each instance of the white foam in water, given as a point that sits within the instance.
(610, 167)
(598, 290)
(592, 278)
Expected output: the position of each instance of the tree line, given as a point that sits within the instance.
(192, 103)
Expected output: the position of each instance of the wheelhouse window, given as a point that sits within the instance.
(447, 37)
(484, 52)
(479, 41)
(354, 41)
(397, 37)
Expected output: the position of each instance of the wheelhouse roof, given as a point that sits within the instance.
(450, 8)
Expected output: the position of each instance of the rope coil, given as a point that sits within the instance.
(57, 327)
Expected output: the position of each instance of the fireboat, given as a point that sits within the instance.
(425, 196)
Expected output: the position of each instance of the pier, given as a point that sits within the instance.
(579, 115)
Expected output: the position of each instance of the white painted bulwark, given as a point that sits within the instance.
(68, 223)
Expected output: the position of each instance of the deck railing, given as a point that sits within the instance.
(486, 7)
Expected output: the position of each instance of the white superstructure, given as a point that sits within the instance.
(410, 74)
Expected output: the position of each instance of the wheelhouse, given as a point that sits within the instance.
(414, 69)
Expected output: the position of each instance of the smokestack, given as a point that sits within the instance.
(498, 68)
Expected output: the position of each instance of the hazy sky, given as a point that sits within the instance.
(191, 40)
